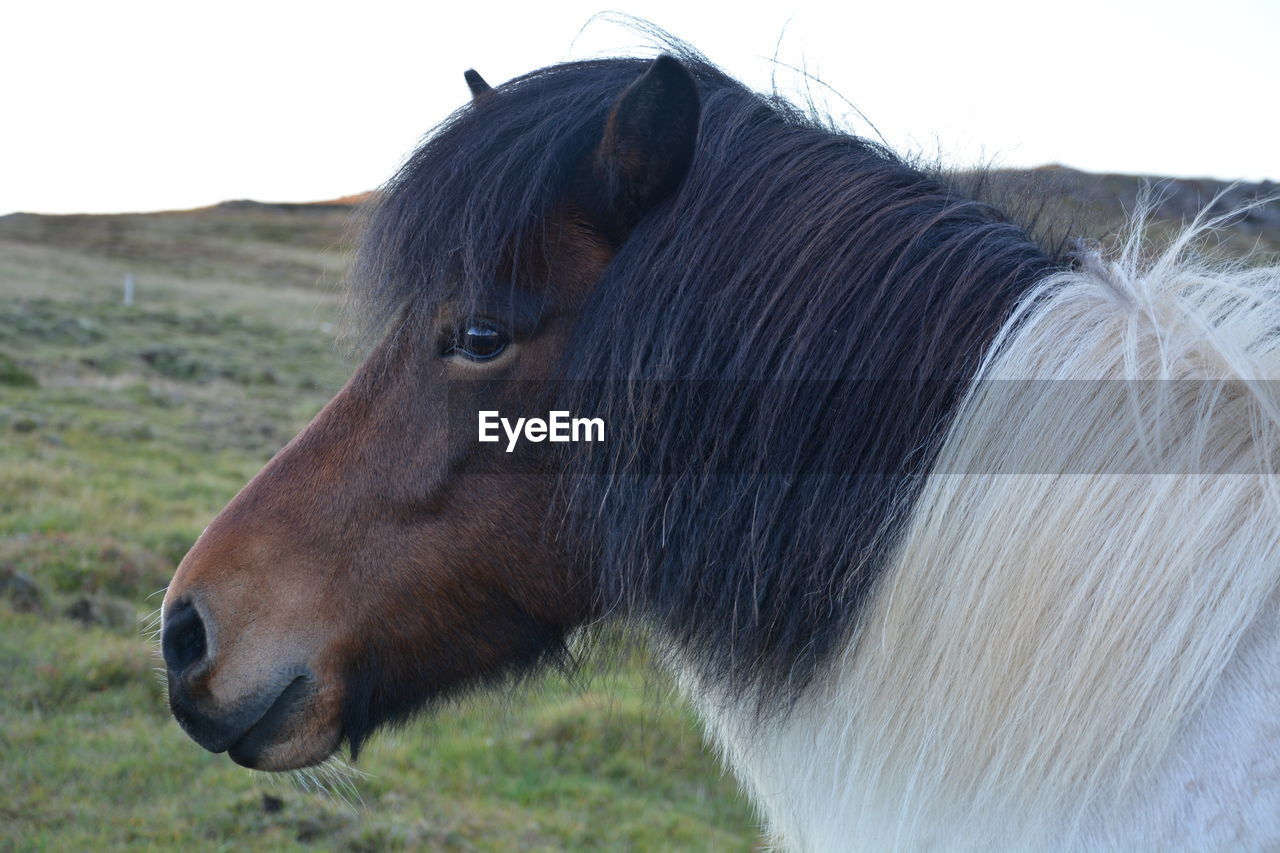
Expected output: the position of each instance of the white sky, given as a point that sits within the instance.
(124, 106)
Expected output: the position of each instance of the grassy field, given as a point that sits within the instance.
(122, 431)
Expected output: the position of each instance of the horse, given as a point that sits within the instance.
(952, 537)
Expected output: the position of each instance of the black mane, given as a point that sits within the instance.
(791, 255)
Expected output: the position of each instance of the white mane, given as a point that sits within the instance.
(1056, 646)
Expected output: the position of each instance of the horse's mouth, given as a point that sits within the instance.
(286, 732)
(273, 740)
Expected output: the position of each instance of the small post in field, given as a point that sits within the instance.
(128, 288)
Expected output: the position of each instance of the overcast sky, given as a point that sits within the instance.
(127, 106)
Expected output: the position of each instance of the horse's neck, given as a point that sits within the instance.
(1219, 789)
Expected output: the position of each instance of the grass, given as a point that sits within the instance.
(122, 431)
(92, 761)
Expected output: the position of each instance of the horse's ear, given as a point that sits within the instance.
(476, 83)
(645, 149)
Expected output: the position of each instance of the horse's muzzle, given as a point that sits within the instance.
(245, 727)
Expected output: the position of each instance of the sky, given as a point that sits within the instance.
(133, 106)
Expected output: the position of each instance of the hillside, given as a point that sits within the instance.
(1072, 204)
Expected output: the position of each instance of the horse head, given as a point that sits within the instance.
(379, 562)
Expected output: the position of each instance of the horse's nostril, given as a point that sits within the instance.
(183, 641)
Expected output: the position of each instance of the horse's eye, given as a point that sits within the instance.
(478, 341)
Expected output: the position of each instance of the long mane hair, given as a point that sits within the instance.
(789, 334)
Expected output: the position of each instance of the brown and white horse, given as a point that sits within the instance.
(952, 541)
